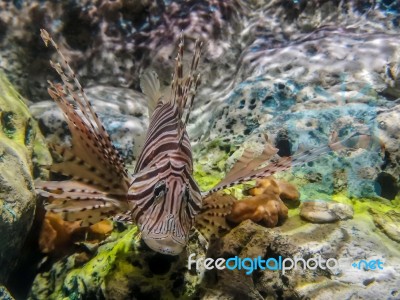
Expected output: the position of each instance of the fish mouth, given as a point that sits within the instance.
(167, 244)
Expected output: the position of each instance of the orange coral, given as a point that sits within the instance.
(266, 205)
(289, 193)
(102, 228)
(57, 235)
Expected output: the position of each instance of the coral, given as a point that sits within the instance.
(22, 151)
(57, 237)
(260, 209)
(271, 186)
(265, 206)
(102, 228)
(56, 233)
(288, 193)
(347, 241)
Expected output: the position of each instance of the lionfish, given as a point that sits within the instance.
(161, 197)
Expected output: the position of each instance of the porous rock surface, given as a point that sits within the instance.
(22, 152)
(388, 222)
(274, 68)
(121, 268)
(348, 242)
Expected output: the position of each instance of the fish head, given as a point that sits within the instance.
(168, 215)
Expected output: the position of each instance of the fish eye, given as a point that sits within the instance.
(185, 196)
(159, 190)
(187, 193)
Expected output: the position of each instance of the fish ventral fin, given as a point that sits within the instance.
(99, 180)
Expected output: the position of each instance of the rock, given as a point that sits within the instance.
(22, 152)
(317, 212)
(115, 40)
(247, 240)
(299, 127)
(4, 294)
(294, 70)
(347, 242)
(121, 268)
(388, 222)
(325, 212)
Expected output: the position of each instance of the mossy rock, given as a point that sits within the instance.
(4, 294)
(121, 268)
(22, 151)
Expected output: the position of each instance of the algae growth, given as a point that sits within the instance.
(119, 268)
(22, 152)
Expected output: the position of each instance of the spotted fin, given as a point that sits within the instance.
(89, 211)
(91, 145)
(248, 162)
(99, 181)
(183, 88)
(76, 201)
(211, 221)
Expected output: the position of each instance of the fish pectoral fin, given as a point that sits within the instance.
(77, 201)
(246, 164)
(124, 218)
(211, 221)
(91, 148)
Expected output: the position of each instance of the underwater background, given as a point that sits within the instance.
(293, 74)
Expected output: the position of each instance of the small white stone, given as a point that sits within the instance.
(325, 212)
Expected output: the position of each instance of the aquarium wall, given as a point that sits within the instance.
(199, 149)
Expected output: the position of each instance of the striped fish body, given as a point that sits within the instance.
(163, 195)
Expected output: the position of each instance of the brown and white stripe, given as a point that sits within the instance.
(163, 194)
